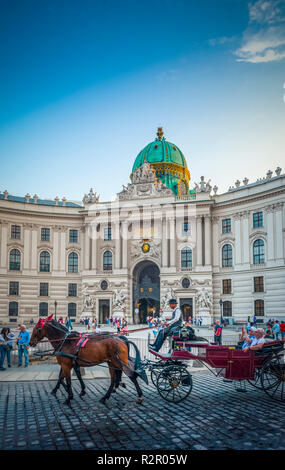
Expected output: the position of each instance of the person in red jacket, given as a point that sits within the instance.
(282, 330)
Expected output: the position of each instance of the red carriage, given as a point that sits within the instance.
(264, 369)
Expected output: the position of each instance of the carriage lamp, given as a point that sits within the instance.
(55, 304)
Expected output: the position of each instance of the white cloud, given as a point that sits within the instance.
(266, 12)
(264, 39)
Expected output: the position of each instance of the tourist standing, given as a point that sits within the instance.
(276, 329)
(23, 341)
(282, 330)
(5, 347)
(217, 328)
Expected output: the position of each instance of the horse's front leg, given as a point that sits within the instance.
(59, 383)
(79, 376)
(66, 371)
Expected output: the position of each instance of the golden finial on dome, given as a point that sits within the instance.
(159, 133)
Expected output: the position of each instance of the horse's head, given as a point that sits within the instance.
(39, 331)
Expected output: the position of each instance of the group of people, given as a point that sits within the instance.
(6, 346)
(67, 322)
(120, 324)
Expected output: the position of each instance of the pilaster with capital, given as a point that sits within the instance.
(208, 244)
(199, 240)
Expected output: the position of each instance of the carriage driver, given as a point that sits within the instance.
(171, 325)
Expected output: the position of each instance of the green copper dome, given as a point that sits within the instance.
(168, 162)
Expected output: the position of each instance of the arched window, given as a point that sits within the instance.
(107, 261)
(44, 262)
(186, 258)
(15, 260)
(259, 307)
(227, 309)
(227, 256)
(72, 309)
(13, 309)
(43, 309)
(258, 252)
(73, 263)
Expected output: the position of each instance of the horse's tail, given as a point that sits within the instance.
(138, 369)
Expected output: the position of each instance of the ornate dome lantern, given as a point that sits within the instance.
(168, 162)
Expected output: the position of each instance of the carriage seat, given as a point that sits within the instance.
(269, 349)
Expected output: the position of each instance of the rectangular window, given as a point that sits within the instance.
(108, 233)
(73, 236)
(44, 289)
(16, 231)
(259, 308)
(227, 286)
(45, 234)
(72, 290)
(257, 219)
(14, 288)
(226, 225)
(186, 228)
(258, 284)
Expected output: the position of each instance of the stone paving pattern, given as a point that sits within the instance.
(214, 416)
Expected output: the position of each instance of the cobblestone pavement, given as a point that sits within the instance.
(214, 416)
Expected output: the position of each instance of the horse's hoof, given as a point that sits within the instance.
(53, 392)
(102, 400)
(82, 393)
(114, 391)
(139, 401)
(67, 402)
(123, 385)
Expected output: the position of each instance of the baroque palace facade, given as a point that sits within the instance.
(218, 254)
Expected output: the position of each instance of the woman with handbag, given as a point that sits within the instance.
(6, 338)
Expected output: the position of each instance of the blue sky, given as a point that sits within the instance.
(85, 84)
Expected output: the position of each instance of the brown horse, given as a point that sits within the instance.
(98, 349)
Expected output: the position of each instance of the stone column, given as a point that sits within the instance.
(215, 247)
(164, 242)
(270, 234)
(86, 247)
(199, 240)
(208, 251)
(117, 245)
(62, 249)
(237, 259)
(125, 244)
(172, 234)
(245, 238)
(4, 236)
(35, 264)
(278, 231)
(26, 248)
(94, 247)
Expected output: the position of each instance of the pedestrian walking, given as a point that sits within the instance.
(282, 329)
(23, 341)
(217, 328)
(6, 338)
(276, 329)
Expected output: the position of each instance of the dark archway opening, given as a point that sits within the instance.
(146, 291)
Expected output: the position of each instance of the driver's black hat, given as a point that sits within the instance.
(172, 301)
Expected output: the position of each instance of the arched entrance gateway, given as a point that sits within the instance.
(146, 291)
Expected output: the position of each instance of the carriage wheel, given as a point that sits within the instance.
(273, 378)
(255, 382)
(153, 375)
(174, 383)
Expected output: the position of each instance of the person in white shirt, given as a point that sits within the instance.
(258, 342)
(176, 321)
(98, 329)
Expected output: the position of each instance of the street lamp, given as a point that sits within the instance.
(55, 304)
(221, 307)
